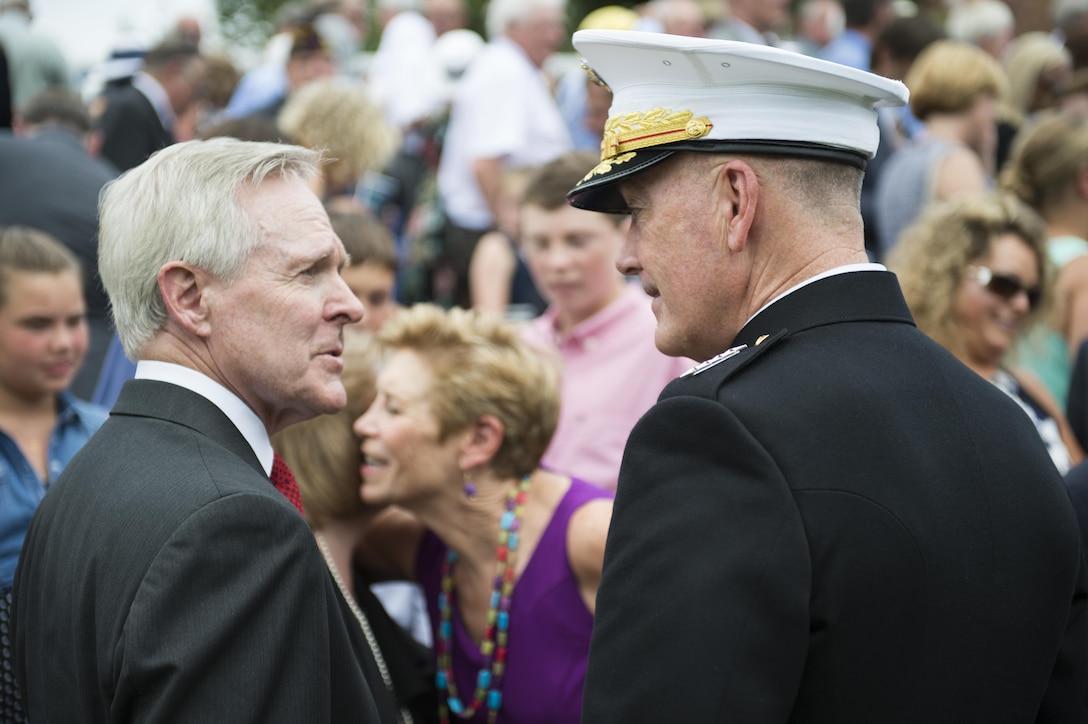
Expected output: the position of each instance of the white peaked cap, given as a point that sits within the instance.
(673, 93)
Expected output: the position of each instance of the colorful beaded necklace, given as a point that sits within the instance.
(496, 635)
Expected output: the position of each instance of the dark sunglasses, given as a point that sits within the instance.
(1003, 285)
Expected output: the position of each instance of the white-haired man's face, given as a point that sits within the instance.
(276, 333)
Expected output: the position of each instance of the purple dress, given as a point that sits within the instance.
(550, 627)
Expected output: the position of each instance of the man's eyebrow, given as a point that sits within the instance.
(309, 258)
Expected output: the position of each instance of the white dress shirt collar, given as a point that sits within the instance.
(243, 417)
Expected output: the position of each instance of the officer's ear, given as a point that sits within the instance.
(736, 196)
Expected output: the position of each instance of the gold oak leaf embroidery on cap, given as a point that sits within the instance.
(643, 129)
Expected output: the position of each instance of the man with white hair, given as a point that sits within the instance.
(818, 23)
(678, 17)
(168, 574)
(503, 116)
(989, 24)
(829, 519)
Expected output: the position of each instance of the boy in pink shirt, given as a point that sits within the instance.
(600, 324)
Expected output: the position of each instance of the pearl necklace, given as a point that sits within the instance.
(403, 716)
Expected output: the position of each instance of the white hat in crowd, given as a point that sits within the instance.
(673, 93)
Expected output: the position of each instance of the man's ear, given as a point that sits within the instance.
(736, 198)
(483, 439)
(184, 291)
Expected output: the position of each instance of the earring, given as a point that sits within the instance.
(470, 487)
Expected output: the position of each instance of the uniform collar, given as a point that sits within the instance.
(842, 296)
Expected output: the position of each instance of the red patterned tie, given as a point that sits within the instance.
(284, 480)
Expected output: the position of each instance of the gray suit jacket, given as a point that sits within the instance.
(165, 579)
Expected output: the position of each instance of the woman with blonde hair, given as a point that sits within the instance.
(340, 119)
(1039, 68)
(972, 272)
(1049, 171)
(509, 554)
(954, 90)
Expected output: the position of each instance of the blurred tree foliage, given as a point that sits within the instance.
(246, 24)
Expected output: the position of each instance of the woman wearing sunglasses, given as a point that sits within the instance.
(972, 272)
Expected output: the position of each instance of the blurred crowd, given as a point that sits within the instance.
(447, 157)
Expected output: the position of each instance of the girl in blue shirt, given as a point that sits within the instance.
(43, 339)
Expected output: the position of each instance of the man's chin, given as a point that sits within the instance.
(333, 401)
(326, 402)
(665, 342)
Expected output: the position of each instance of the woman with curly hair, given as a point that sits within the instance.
(1049, 171)
(973, 274)
(339, 118)
(509, 554)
